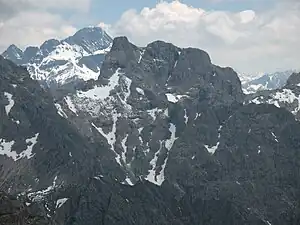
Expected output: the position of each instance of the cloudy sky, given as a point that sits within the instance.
(252, 36)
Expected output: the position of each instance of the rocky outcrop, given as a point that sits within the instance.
(13, 211)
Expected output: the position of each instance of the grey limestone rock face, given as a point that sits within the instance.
(163, 136)
(91, 39)
(14, 211)
(14, 54)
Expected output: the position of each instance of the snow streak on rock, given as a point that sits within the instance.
(6, 149)
(60, 111)
(151, 177)
(186, 118)
(175, 98)
(41, 194)
(70, 104)
(60, 202)
(140, 91)
(101, 92)
(213, 149)
(111, 136)
(31, 142)
(11, 102)
(159, 178)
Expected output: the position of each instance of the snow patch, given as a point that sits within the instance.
(140, 130)
(70, 104)
(275, 137)
(212, 149)
(153, 113)
(11, 102)
(140, 91)
(31, 142)
(284, 96)
(60, 202)
(141, 55)
(6, 149)
(39, 195)
(123, 143)
(128, 181)
(169, 142)
(70, 56)
(197, 115)
(111, 136)
(152, 177)
(102, 92)
(99, 177)
(175, 98)
(60, 111)
(166, 112)
(175, 63)
(186, 118)
(172, 98)
(127, 93)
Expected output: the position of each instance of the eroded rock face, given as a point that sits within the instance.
(163, 136)
(14, 211)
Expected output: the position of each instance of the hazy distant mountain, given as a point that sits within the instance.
(267, 82)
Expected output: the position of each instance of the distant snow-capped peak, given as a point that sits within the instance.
(78, 57)
(266, 81)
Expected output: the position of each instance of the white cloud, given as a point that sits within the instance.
(31, 22)
(9, 7)
(33, 28)
(249, 41)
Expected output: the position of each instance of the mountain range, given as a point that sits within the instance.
(160, 136)
(59, 62)
(267, 81)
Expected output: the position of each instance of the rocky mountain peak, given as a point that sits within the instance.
(29, 53)
(121, 43)
(14, 53)
(62, 62)
(49, 45)
(161, 66)
(293, 80)
(91, 39)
